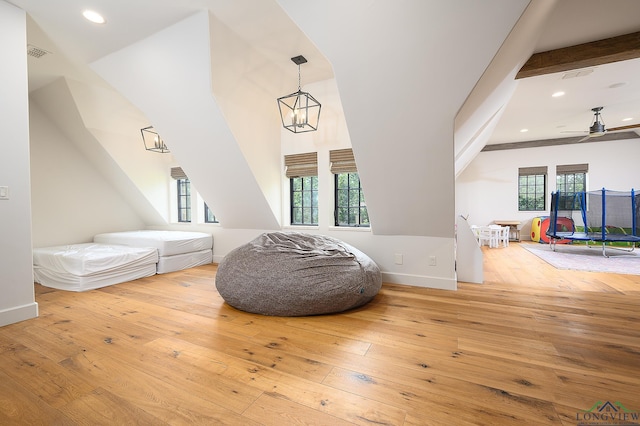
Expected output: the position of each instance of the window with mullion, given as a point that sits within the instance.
(570, 184)
(350, 207)
(304, 200)
(209, 217)
(531, 192)
(184, 200)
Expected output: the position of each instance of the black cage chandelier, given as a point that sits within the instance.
(299, 111)
(152, 141)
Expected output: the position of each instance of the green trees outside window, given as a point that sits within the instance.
(350, 207)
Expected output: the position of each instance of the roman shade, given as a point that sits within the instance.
(528, 171)
(301, 165)
(342, 161)
(178, 173)
(572, 168)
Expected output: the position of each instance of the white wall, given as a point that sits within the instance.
(482, 110)
(388, 81)
(17, 299)
(71, 200)
(488, 189)
(179, 101)
(225, 155)
(415, 250)
(399, 99)
(105, 129)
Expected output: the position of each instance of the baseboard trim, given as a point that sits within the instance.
(420, 281)
(18, 313)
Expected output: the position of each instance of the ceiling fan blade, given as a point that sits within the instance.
(629, 126)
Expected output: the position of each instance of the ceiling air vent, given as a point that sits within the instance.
(36, 51)
(579, 73)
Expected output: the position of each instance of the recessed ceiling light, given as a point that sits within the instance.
(627, 119)
(524, 130)
(94, 17)
(557, 94)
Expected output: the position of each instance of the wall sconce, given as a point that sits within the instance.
(152, 141)
(299, 111)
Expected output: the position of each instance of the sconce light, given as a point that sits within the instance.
(152, 141)
(299, 111)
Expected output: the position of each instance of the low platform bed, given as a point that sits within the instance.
(168, 243)
(118, 257)
(87, 266)
(177, 250)
(178, 262)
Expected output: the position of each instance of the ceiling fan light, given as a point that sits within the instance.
(597, 129)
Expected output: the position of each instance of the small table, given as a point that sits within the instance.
(514, 232)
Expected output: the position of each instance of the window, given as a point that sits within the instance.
(532, 188)
(183, 187)
(304, 200)
(571, 180)
(302, 171)
(184, 200)
(350, 207)
(209, 217)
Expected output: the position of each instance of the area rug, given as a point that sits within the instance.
(582, 258)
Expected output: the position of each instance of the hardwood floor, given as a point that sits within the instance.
(532, 345)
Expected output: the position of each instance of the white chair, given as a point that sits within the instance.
(495, 235)
(505, 233)
(485, 236)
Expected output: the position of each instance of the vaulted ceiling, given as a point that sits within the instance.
(441, 46)
(73, 43)
(589, 50)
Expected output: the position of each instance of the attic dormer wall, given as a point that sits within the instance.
(403, 70)
(232, 158)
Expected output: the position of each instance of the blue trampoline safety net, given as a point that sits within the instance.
(602, 215)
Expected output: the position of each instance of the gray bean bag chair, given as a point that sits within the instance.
(296, 274)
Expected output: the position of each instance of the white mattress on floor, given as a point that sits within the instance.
(79, 267)
(168, 243)
(178, 262)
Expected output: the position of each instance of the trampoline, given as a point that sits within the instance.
(603, 216)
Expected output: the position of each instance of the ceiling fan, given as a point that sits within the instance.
(598, 128)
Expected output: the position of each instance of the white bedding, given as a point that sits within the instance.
(178, 262)
(168, 243)
(87, 266)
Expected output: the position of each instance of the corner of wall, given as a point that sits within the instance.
(18, 313)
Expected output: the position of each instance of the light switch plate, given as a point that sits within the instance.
(4, 192)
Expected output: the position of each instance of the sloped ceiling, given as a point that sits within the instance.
(387, 58)
(615, 86)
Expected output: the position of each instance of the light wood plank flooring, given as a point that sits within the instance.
(532, 345)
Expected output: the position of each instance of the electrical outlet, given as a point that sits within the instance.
(398, 258)
(432, 261)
